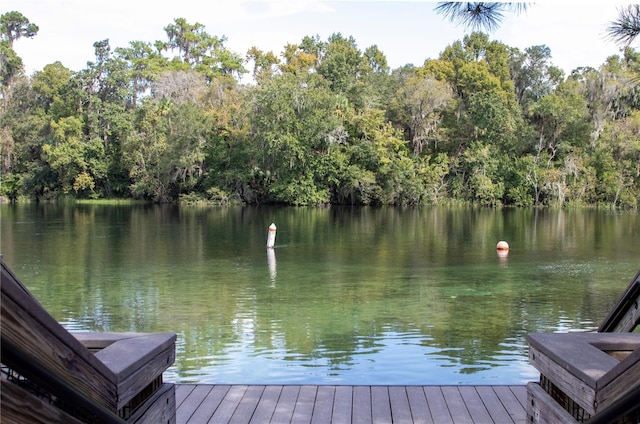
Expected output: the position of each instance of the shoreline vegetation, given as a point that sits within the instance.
(321, 123)
(198, 202)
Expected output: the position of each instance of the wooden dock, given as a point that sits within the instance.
(278, 404)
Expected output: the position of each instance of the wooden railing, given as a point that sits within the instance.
(50, 375)
(592, 377)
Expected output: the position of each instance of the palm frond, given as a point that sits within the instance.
(478, 15)
(627, 27)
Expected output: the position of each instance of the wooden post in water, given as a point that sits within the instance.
(271, 236)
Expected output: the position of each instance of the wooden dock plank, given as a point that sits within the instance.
(190, 404)
(286, 404)
(266, 405)
(323, 410)
(324, 404)
(400, 411)
(438, 405)
(511, 403)
(495, 408)
(361, 405)
(456, 405)
(244, 412)
(182, 391)
(521, 394)
(420, 411)
(342, 405)
(303, 411)
(229, 403)
(474, 404)
(380, 405)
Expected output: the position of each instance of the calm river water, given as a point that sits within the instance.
(348, 295)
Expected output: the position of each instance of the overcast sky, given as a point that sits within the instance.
(405, 31)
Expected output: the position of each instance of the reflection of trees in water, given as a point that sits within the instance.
(348, 279)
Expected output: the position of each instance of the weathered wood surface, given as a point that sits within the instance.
(542, 409)
(579, 365)
(110, 371)
(619, 380)
(255, 404)
(20, 407)
(159, 409)
(29, 327)
(135, 359)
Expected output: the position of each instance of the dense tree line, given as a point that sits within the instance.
(323, 122)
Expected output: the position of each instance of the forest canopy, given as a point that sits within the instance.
(321, 122)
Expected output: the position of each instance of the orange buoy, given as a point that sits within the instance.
(502, 245)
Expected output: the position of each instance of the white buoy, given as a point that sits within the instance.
(271, 236)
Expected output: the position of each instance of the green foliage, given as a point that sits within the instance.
(420, 102)
(481, 165)
(323, 122)
(521, 185)
(617, 162)
(14, 25)
(292, 133)
(201, 51)
(10, 66)
(166, 152)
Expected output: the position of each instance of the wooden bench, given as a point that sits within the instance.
(583, 374)
(50, 375)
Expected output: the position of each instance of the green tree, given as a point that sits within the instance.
(561, 120)
(229, 149)
(375, 60)
(11, 66)
(13, 26)
(617, 162)
(191, 40)
(482, 167)
(144, 64)
(77, 163)
(563, 133)
(373, 87)
(522, 183)
(199, 50)
(26, 128)
(293, 119)
(433, 173)
(165, 153)
(263, 62)
(379, 166)
(55, 91)
(422, 99)
(533, 75)
(610, 91)
(297, 60)
(340, 63)
(484, 108)
(107, 96)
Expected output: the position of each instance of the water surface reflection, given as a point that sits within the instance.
(357, 296)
